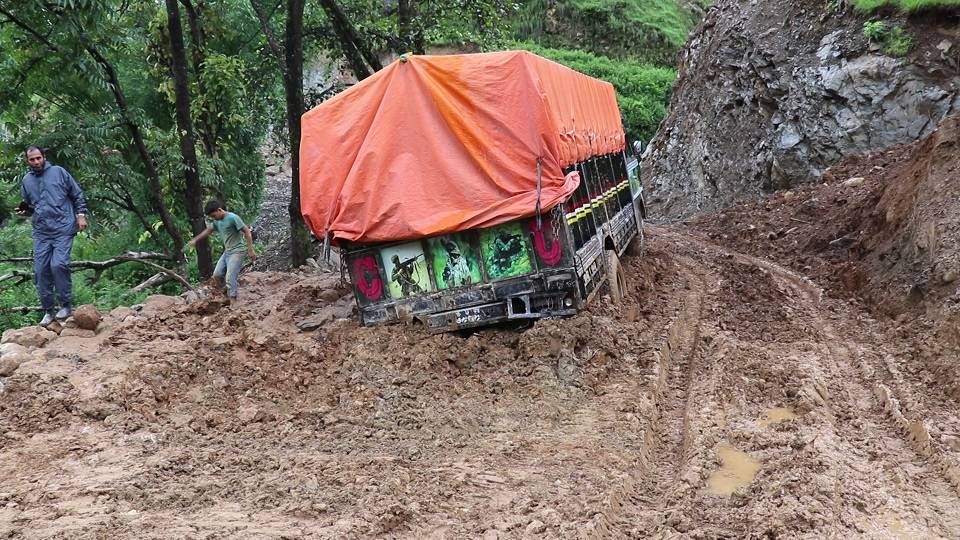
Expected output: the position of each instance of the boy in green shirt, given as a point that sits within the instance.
(233, 231)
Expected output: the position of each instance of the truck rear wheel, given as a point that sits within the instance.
(616, 278)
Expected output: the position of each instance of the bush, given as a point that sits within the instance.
(898, 42)
(874, 30)
(894, 42)
(106, 293)
(651, 31)
(905, 5)
(643, 90)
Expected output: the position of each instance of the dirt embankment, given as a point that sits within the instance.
(883, 229)
(883, 226)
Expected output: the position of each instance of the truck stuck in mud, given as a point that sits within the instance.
(467, 190)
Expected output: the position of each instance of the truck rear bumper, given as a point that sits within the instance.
(526, 306)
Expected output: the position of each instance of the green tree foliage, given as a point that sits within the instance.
(61, 100)
(643, 91)
(57, 90)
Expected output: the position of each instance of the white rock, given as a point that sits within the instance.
(853, 182)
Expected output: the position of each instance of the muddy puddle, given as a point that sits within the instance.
(737, 470)
(775, 416)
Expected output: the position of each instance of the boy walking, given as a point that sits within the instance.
(234, 232)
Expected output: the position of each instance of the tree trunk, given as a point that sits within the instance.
(293, 86)
(208, 136)
(268, 34)
(354, 48)
(156, 188)
(404, 14)
(193, 190)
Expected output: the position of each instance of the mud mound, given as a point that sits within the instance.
(190, 413)
(278, 417)
(884, 227)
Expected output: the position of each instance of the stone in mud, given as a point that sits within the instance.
(10, 362)
(31, 336)
(316, 320)
(536, 527)
(104, 326)
(853, 182)
(211, 305)
(330, 295)
(158, 302)
(343, 309)
(253, 414)
(86, 317)
(221, 342)
(120, 313)
(10, 348)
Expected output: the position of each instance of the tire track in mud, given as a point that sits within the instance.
(662, 489)
(665, 446)
(854, 371)
(914, 431)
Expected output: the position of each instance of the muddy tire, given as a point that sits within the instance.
(616, 278)
(638, 245)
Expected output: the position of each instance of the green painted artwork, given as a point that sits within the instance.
(635, 182)
(455, 262)
(505, 252)
(406, 270)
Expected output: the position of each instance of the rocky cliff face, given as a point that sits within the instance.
(772, 93)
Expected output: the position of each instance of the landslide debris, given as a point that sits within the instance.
(747, 386)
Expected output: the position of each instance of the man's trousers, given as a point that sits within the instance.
(51, 266)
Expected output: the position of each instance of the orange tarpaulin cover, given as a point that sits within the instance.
(438, 144)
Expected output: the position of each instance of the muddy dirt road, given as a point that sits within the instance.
(728, 396)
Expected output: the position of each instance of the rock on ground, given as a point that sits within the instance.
(86, 317)
(10, 362)
(31, 336)
(121, 312)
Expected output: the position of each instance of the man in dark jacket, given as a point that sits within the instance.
(59, 210)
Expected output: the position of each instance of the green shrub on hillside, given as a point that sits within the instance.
(898, 42)
(643, 91)
(905, 5)
(649, 30)
(894, 41)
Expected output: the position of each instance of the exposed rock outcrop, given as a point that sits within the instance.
(772, 93)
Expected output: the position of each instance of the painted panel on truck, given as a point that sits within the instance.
(547, 243)
(369, 285)
(505, 252)
(406, 268)
(456, 262)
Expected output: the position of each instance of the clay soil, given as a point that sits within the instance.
(748, 386)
